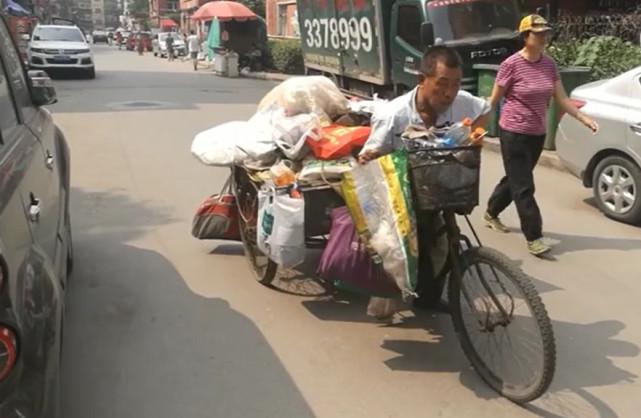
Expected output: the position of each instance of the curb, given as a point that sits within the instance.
(267, 76)
(548, 159)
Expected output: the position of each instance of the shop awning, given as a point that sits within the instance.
(168, 23)
(224, 10)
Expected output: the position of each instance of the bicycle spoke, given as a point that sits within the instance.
(502, 328)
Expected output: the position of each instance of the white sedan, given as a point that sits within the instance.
(609, 161)
(61, 48)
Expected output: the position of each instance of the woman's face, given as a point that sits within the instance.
(537, 40)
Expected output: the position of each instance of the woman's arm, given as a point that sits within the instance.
(566, 105)
(498, 92)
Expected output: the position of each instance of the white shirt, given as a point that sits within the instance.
(194, 43)
(391, 119)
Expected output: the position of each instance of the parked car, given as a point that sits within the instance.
(180, 48)
(100, 36)
(65, 48)
(610, 161)
(35, 239)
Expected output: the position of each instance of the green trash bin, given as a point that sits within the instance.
(486, 76)
(571, 77)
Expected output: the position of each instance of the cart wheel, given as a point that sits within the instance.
(247, 197)
(502, 324)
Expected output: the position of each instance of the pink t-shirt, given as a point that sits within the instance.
(529, 88)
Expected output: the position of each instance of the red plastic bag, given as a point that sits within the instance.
(217, 218)
(338, 141)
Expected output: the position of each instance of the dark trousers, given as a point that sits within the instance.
(520, 155)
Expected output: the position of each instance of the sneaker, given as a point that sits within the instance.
(538, 247)
(495, 223)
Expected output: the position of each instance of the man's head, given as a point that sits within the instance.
(440, 77)
(192, 32)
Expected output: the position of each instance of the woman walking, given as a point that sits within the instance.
(526, 81)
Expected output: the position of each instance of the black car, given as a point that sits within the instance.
(35, 239)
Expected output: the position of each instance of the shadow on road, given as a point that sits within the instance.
(140, 343)
(584, 357)
(574, 243)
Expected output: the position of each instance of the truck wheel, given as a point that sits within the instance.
(617, 183)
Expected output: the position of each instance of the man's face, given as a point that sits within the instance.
(440, 89)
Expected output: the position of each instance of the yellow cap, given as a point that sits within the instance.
(534, 23)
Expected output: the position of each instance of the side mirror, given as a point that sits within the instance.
(36, 38)
(25, 37)
(427, 34)
(42, 91)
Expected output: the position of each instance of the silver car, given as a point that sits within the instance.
(609, 161)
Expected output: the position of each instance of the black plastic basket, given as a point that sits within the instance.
(445, 178)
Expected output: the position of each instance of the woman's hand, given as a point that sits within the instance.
(588, 122)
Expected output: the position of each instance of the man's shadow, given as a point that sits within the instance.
(139, 343)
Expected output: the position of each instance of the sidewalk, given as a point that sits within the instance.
(548, 158)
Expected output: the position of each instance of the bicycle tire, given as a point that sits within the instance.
(524, 284)
(264, 275)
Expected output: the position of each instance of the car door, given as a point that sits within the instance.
(15, 156)
(633, 118)
(40, 186)
(407, 17)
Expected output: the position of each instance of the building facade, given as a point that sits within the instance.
(282, 19)
(582, 7)
(160, 9)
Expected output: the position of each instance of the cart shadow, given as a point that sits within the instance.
(584, 356)
(299, 281)
(584, 360)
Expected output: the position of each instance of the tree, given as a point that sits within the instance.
(257, 6)
(139, 8)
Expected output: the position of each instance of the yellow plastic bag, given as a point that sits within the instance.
(379, 199)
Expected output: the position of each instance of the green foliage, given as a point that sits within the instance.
(139, 8)
(564, 53)
(606, 56)
(286, 56)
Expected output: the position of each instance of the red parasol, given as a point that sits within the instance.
(224, 10)
(167, 23)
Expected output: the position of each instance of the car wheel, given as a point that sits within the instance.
(616, 188)
(91, 73)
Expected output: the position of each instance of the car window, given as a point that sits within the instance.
(8, 115)
(15, 71)
(409, 25)
(58, 34)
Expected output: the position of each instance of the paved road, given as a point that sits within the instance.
(160, 325)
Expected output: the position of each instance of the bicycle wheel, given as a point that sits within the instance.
(502, 324)
(263, 268)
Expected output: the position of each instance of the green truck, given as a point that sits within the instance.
(375, 46)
